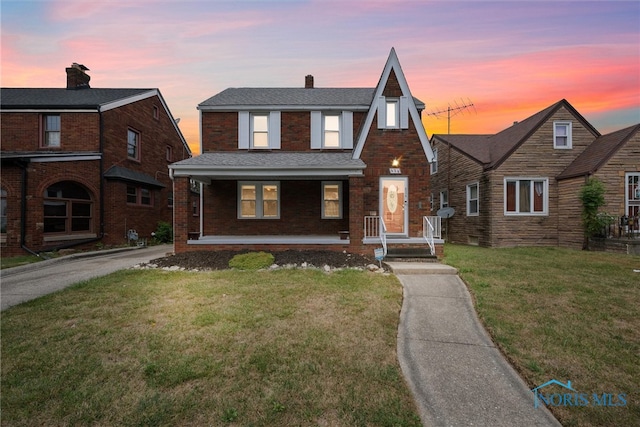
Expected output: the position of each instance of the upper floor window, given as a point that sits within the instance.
(51, 126)
(67, 208)
(444, 199)
(133, 144)
(332, 130)
(156, 112)
(169, 153)
(331, 200)
(259, 200)
(434, 164)
(393, 113)
(562, 135)
(259, 130)
(526, 196)
(472, 199)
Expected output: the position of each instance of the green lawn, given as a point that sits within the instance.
(564, 315)
(158, 348)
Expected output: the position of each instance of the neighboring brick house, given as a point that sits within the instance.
(82, 166)
(519, 186)
(309, 168)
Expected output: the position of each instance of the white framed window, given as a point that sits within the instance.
(259, 130)
(392, 120)
(562, 135)
(51, 126)
(632, 196)
(432, 201)
(331, 200)
(133, 144)
(258, 200)
(331, 130)
(393, 112)
(434, 164)
(526, 196)
(473, 199)
(444, 199)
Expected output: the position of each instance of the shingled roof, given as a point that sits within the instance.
(52, 98)
(598, 153)
(492, 150)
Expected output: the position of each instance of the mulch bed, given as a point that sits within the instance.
(219, 260)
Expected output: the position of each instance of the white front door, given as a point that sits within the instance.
(394, 210)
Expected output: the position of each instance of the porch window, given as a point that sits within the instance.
(259, 200)
(67, 208)
(525, 196)
(562, 135)
(472, 199)
(331, 200)
(51, 126)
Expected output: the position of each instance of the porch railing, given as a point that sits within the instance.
(431, 229)
(374, 226)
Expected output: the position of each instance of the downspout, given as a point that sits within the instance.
(23, 211)
(101, 148)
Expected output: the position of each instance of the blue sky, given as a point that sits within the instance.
(509, 58)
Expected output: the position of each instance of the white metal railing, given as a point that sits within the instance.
(374, 226)
(431, 228)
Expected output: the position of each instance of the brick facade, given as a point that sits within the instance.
(98, 135)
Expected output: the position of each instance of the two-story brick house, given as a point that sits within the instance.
(82, 165)
(520, 187)
(309, 168)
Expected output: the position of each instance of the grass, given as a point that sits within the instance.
(158, 348)
(18, 260)
(565, 315)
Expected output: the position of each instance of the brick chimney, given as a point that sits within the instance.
(308, 82)
(76, 76)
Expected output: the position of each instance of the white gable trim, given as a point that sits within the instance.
(393, 64)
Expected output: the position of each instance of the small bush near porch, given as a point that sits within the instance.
(565, 315)
(159, 348)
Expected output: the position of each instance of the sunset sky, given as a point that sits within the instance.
(510, 59)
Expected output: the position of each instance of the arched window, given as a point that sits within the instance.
(3, 211)
(67, 208)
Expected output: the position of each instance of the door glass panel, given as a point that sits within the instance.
(393, 207)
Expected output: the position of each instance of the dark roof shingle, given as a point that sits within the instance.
(15, 98)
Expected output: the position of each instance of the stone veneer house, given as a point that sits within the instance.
(520, 186)
(82, 166)
(310, 168)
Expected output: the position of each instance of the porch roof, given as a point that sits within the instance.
(268, 165)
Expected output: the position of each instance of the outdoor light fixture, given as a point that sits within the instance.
(395, 162)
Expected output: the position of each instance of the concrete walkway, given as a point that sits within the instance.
(456, 374)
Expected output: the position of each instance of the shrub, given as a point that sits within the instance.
(164, 233)
(592, 198)
(251, 261)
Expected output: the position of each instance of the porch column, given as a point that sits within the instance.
(181, 212)
(356, 214)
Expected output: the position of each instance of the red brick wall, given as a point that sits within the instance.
(300, 211)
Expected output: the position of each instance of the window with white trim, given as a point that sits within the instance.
(472, 199)
(526, 196)
(434, 164)
(51, 128)
(331, 131)
(259, 200)
(331, 200)
(633, 194)
(393, 113)
(444, 199)
(259, 130)
(562, 135)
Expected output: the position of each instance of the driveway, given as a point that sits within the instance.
(24, 283)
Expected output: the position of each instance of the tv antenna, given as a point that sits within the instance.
(453, 110)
